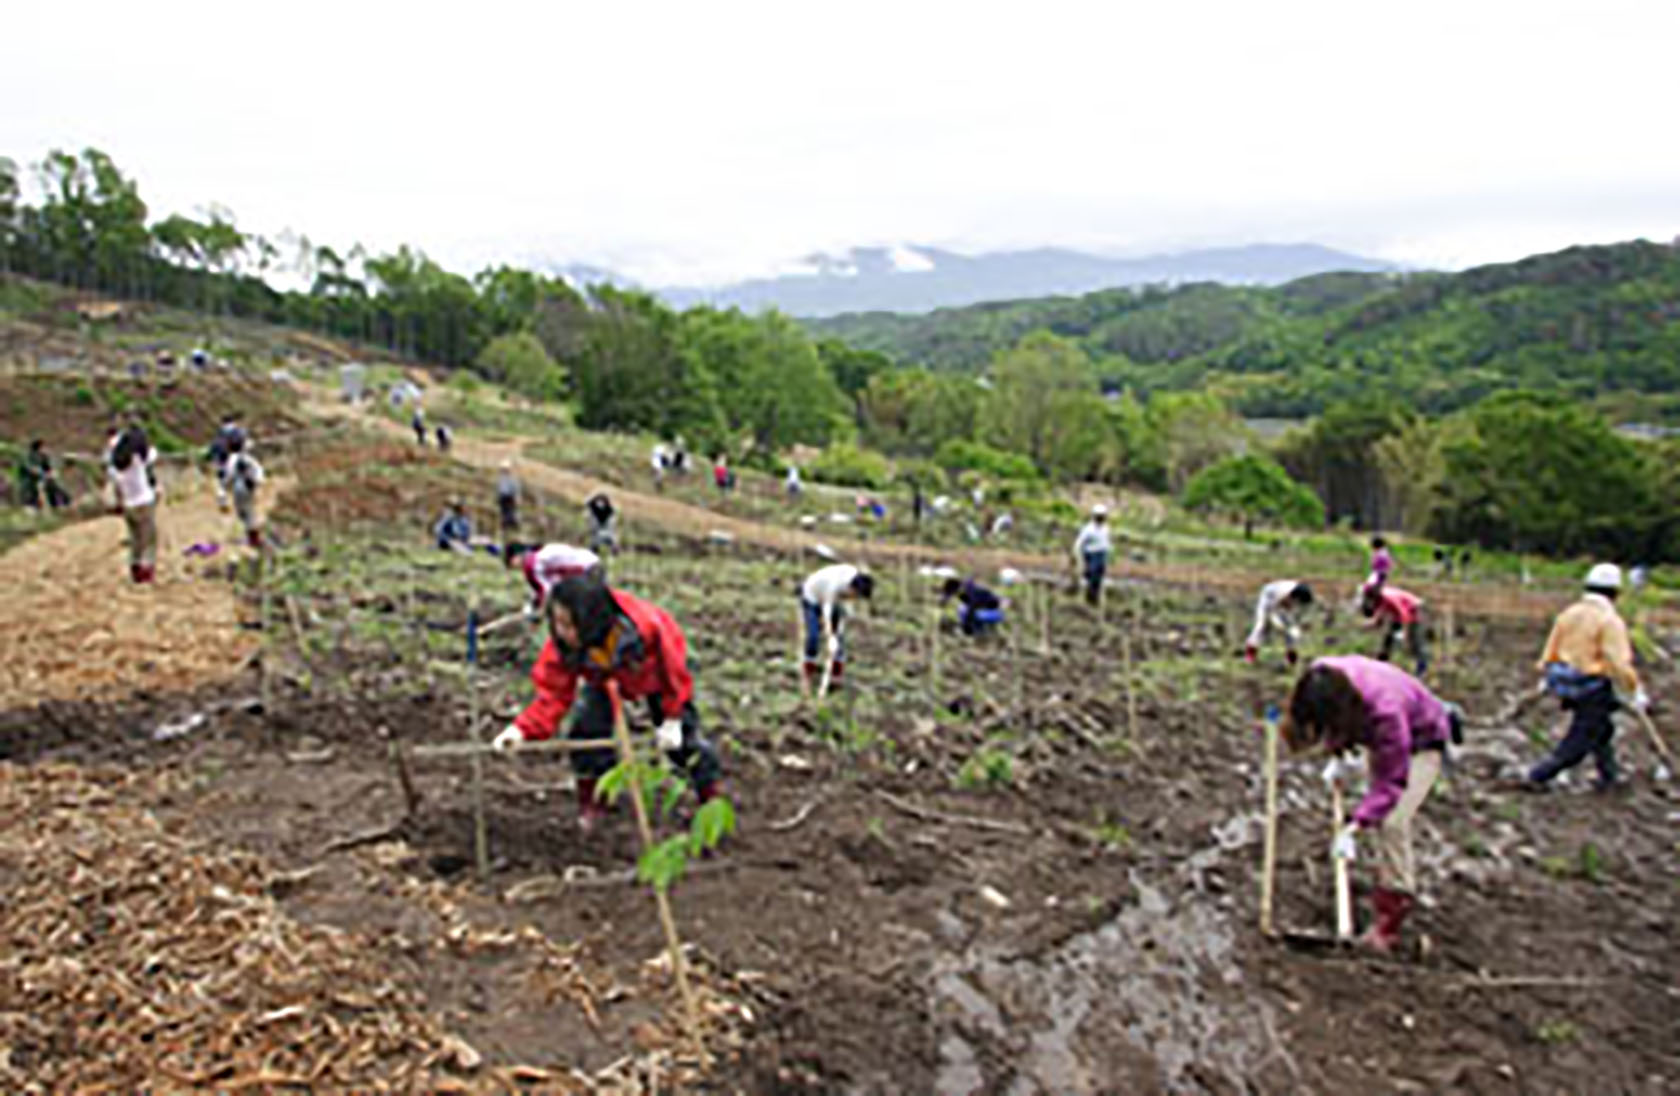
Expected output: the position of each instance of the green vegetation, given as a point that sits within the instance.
(1254, 489)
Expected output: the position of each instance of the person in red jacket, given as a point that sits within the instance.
(1396, 612)
(597, 635)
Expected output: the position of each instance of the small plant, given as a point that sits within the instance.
(1592, 863)
(663, 863)
(1111, 835)
(1508, 811)
(1558, 867)
(1557, 1032)
(1476, 847)
(989, 767)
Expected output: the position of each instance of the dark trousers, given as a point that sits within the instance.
(1414, 644)
(592, 718)
(1591, 731)
(1096, 566)
(813, 614)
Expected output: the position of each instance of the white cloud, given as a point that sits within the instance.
(687, 141)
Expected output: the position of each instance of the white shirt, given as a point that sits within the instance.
(555, 563)
(793, 476)
(1093, 537)
(134, 483)
(825, 585)
(252, 471)
(1266, 612)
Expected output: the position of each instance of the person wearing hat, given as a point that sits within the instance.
(130, 468)
(1588, 665)
(599, 635)
(820, 596)
(1091, 550)
(1352, 702)
(1275, 611)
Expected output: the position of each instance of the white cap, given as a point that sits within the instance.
(1099, 511)
(506, 464)
(1009, 576)
(1604, 576)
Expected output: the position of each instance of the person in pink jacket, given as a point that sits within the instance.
(1396, 612)
(1352, 702)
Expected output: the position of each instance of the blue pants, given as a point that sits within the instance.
(978, 621)
(813, 614)
(1096, 565)
(1591, 731)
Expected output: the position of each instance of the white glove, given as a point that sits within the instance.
(509, 738)
(669, 735)
(833, 645)
(1338, 771)
(1344, 847)
(1641, 702)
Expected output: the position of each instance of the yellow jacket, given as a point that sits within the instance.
(1591, 637)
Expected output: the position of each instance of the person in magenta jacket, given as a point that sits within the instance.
(599, 635)
(1352, 702)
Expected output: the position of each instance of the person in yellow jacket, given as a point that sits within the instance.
(1588, 666)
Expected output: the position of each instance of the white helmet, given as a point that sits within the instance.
(1100, 510)
(1604, 576)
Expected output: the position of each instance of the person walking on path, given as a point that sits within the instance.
(551, 564)
(820, 608)
(599, 635)
(603, 523)
(418, 422)
(1588, 665)
(244, 476)
(1352, 702)
(37, 483)
(444, 437)
(979, 609)
(660, 461)
(134, 488)
(1394, 612)
(1091, 550)
(1276, 612)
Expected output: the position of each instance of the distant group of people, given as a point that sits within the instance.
(444, 435)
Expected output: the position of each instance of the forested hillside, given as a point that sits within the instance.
(1592, 322)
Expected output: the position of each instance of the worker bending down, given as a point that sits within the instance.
(1394, 612)
(820, 608)
(600, 635)
(547, 566)
(979, 610)
(1275, 612)
(1352, 702)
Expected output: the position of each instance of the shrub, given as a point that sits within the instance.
(959, 455)
(847, 465)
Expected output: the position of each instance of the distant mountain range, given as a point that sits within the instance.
(911, 278)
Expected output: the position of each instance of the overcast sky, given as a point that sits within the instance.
(699, 141)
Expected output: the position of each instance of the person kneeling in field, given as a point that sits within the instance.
(1275, 612)
(598, 635)
(1345, 703)
(979, 610)
(1393, 611)
(1588, 658)
(551, 564)
(819, 607)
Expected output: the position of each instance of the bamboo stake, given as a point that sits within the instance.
(933, 652)
(267, 645)
(1131, 686)
(481, 826)
(1268, 860)
(627, 753)
(1015, 656)
(447, 750)
(830, 647)
(799, 650)
(1044, 621)
(1657, 742)
(1343, 892)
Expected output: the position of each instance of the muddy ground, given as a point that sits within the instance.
(900, 911)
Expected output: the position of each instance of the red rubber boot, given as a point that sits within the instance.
(590, 809)
(1392, 906)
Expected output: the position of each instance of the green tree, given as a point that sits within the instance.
(1022, 409)
(1193, 430)
(1254, 489)
(519, 361)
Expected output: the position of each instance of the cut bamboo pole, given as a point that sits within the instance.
(1268, 856)
(264, 686)
(799, 650)
(481, 825)
(1339, 869)
(1044, 621)
(668, 921)
(827, 651)
(933, 652)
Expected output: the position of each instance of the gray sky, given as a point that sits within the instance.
(711, 140)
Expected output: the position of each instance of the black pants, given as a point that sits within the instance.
(696, 759)
(1591, 731)
(1414, 644)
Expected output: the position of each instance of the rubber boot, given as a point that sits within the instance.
(837, 670)
(1251, 654)
(1391, 906)
(811, 675)
(590, 809)
(137, 573)
(253, 537)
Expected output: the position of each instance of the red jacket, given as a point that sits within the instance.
(1397, 606)
(662, 669)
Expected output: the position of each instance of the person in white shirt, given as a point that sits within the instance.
(244, 476)
(794, 487)
(133, 481)
(819, 605)
(1276, 611)
(1091, 550)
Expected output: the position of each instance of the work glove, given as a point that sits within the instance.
(509, 738)
(669, 735)
(833, 646)
(1338, 771)
(1250, 654)
(531, 610)
(1641, 702)
(1344, 847)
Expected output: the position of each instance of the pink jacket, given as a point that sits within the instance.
(1402, 717)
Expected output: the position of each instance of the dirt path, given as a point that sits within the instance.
(1500, 602)
(76, 627)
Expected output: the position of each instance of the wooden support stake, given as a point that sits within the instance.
(799, 651)
(827, 654)
(1044, 621)
(1339, 868)
(443, 751)
(1131, 686)
(679, 967)
(933, 652)
(1268, 856)
(1015, 626)
(481, 825)
(267, 644)
(1657, 742)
